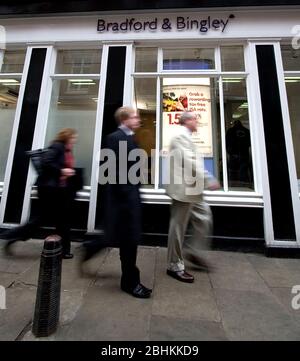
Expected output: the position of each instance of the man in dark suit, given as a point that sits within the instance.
(123, 205)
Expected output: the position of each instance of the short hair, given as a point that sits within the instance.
(185, 116)
(123, 113)
(64, 135)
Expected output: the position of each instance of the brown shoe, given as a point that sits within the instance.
(182, 276)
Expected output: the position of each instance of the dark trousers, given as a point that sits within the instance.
(122, 228)
(55, 209)
(128, 226)
(54, 205)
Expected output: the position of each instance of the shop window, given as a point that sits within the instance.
(78, 62)
(145, 102)
(12, 61)
(290, 58)
(220, 102)
(232, 58)
(9, 92)
(74, 98)
(188, 59)
(146, 60)
(75, 110)
(291, 64)
(293, 91)
(238, 142)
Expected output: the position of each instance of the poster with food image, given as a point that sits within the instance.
(180, 98)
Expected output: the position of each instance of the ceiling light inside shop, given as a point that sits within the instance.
(244, 106)
(11, 84)
(82, 83)
(232, 80)
(237, 115)
(292, 79)
(9, 81)
(81, 80)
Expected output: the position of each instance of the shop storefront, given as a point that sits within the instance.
(238, 69)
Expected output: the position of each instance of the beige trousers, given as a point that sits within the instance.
(201, 220)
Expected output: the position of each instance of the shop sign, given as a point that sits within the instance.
(180, 23)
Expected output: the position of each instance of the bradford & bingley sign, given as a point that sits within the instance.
(180, 23)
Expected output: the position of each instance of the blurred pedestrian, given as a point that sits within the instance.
(187, 181)
(56, 191)
(123, 206)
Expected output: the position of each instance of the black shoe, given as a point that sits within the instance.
(67, 256)
(139, 291)
(182, 276)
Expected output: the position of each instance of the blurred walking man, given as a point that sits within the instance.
(187, 181)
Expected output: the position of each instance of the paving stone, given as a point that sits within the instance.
(285, 296)
(178, 329)
(108, 313)
(13, 264)
(277, 272)
(233, 271)
(172, 298)
(70, 304)
(255, 316)
(19, 312)
(6, 279)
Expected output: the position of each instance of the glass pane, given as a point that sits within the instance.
(9, 92)
(293, 91)
(146, 59)
(238, 143)
(78, 61)
(145, 102)
(189, 59)
(74, 105)
(201, 96)
(290, 58)
(232, 58)
(13, 61)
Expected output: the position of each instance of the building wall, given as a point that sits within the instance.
(253, 215)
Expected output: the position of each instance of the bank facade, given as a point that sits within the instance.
(237, 68)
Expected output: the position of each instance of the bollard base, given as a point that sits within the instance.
(47, 306)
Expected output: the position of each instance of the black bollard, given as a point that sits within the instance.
(46, 314)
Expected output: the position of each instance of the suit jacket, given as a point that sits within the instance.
(123, 205)
(186, 183)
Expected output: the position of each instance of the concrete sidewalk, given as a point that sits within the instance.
(247, 297)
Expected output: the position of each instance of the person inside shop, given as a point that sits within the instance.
(57, 184)
(238, 150)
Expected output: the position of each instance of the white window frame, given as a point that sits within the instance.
(225, 197)
(4, 186)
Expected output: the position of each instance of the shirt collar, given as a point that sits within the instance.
(186, 131)
(126, 130)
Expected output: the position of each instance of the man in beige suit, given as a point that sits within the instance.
(185, 186)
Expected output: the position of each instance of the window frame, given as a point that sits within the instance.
(218, 197)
